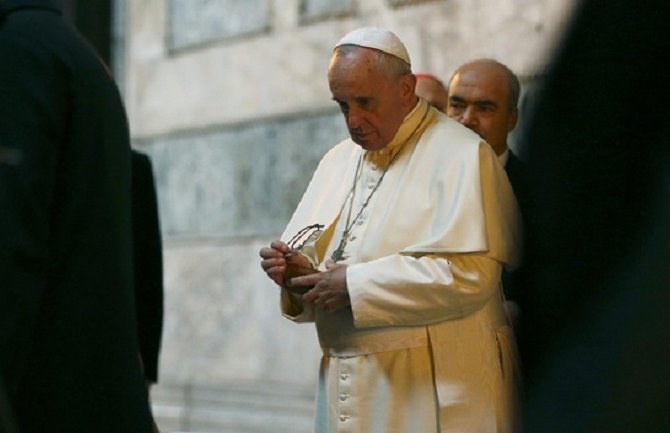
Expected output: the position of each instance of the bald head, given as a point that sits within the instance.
(483, 95)
(504, 74)
(431, 88)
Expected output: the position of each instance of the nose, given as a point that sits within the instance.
(468, 117)
(354, 118)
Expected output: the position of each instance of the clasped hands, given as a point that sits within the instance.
(329, 291)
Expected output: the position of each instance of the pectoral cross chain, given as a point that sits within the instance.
(338, 254)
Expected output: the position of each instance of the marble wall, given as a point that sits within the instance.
(230, 100)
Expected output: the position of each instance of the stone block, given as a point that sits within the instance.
(409, 2)
(317, 9)
(223, 322)
(239, 181)
(257, 407)
(195, 22)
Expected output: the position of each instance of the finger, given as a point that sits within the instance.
(280, 246)
(311, 296)
(321, 303)
(273, 263)
(321, 300)
(276, 274)
(306, 280)
(328, 305)
(269, 252)
(275, 270)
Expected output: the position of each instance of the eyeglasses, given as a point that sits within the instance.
(297, 264)
(306, 234)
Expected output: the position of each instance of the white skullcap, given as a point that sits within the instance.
(377, 38)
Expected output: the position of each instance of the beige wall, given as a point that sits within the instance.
(282, 70)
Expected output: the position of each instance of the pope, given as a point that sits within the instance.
(404, 230)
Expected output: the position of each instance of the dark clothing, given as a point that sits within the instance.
(594, 342)
(68, 343)
(518, 176)
(148, 264)
(517, 173)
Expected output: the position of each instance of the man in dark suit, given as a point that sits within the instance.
(595, 337)
(148, 264)
(68, 336)
(483, 95)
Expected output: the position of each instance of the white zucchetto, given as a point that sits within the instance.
(378, 39)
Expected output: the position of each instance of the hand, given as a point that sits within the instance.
(297, 265)
(273, 262)
(330, 291)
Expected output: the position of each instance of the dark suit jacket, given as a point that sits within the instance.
(595, 337)
(68, 343)
(518, 177)
(148, 263)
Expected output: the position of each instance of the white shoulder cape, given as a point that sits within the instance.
(446, 194)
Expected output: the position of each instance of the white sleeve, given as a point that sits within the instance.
(401, 290)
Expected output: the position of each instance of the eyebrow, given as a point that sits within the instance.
(479, 102)
(357, 99)
(486, 103)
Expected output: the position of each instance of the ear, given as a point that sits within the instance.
(408, 88)
(513, 119)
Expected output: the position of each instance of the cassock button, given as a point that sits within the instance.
(343, 418)
(344, 376)
(343, 397)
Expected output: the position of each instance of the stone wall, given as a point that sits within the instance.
(230, 100)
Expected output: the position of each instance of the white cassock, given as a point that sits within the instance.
(425, 346)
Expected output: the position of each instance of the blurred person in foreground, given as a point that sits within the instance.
(594, 341)
(401, 237)
(147, 265)
(68, 338)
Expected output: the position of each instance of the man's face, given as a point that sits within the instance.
(373, 105)
(479, 99)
